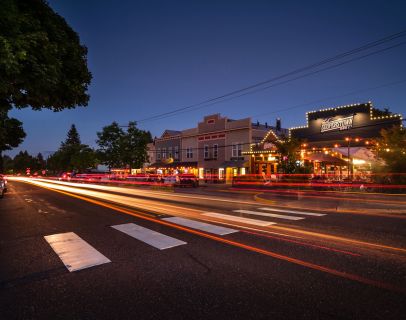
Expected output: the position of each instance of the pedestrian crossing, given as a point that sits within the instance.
(76, 254)
(151, 237)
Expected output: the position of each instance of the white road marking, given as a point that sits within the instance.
(201, 226)
(239, 219)
(279, 216)
(295, 212)
(151, 237)
(75, 253)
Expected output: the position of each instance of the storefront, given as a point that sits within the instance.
(347, 135)
(173, 168)
(338, 142)
(264, 156)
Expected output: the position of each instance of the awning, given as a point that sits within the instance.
(326, 158)
(186, 164)
(357, 152)
(234, 164)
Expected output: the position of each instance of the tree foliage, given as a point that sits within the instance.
(72, 154)
(119, 148)
(288, 150)
(392, 149)
(42, 63)
(11, 133)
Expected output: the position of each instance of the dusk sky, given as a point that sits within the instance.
(151, 57)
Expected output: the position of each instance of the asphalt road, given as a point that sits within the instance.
(334, 266)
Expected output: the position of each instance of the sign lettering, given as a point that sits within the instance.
(337, 124)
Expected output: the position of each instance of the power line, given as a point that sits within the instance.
(289, 80)
(212, 101)
(332, 97)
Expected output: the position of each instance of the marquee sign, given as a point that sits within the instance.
(331, 124)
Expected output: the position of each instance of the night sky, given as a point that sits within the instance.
(150, 57)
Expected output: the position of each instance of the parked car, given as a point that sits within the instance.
(187, 180)
(170, 180)
(3, 186)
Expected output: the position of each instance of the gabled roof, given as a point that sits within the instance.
(170, 133)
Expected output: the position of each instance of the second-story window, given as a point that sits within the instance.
(163, 153)
(215, 151)
(158, 153)
(236, 150)
(189, 152)
(176, 152)
(170, 155)
(206, 151)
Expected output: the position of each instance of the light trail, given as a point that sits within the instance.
(137, 191)
(305, 244)
(341, 274)
(160, 208)
(289, 193)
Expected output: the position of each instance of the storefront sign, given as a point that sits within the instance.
(268, 145)
(337, 124)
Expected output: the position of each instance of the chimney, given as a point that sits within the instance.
(278, 124)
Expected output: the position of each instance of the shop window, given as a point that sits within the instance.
(215, 151)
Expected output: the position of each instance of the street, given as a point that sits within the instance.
(210, 253)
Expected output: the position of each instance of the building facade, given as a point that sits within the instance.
(338, 141)
(214, 150)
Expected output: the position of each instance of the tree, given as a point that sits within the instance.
(119, 148)
(288, 150)
(39, 162)
(42, 63)
(11, 133)
(392, 149)
(72, 155)
(110, 145)
(8, 164)
(22, 161)
(135, 146)
(73, 138)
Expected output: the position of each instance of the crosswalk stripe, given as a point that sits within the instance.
(295, 212)
(201, 226)
(75, 253)
(151, 237)
(239, 219)
(279, 216)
